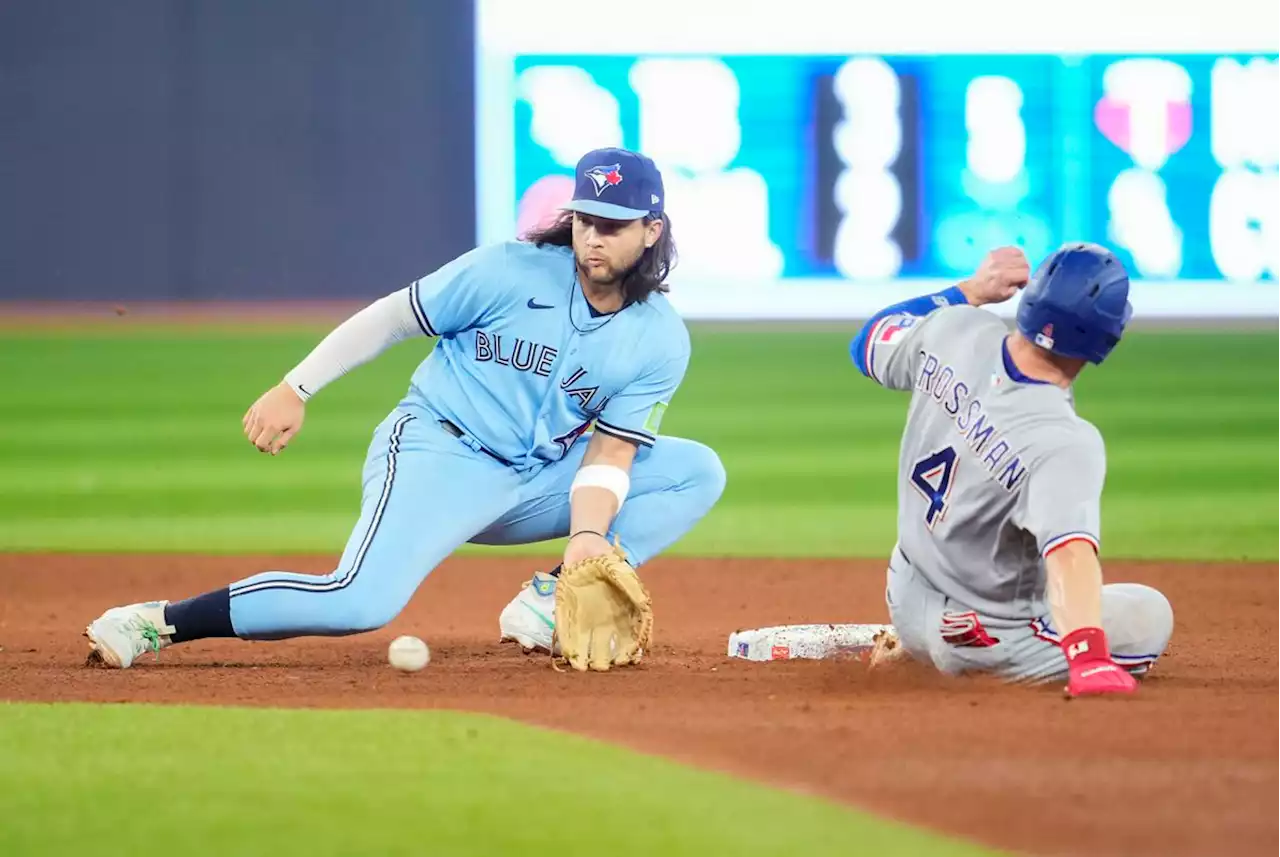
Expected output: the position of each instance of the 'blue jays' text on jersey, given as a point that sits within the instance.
(525, 366)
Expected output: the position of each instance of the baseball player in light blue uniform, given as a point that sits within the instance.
(539, 342)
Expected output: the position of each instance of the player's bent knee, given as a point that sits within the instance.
(1142, 620)
(368, 607)
(1149, 611)
(706, 473)
(359, 617)
(1156, 617)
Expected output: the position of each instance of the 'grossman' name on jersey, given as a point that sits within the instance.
(940, 383)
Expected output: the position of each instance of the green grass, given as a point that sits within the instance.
(92, 779)
(111, 442)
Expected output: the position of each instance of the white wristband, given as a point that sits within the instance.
(606, 476)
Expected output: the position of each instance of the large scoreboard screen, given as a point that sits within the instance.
(863, 165)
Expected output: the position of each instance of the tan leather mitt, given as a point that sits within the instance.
(604, 616)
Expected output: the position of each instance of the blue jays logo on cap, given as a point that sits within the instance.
(603, 177)
(617, 184)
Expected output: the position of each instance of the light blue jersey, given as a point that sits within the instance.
(522, 369)
(486, 445)
(524, 365)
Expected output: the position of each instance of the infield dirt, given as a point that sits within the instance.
(1187, 767)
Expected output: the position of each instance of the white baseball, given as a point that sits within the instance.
(408, 654)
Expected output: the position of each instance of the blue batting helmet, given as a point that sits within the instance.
(1077, 303)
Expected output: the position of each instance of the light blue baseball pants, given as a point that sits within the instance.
(427, 492)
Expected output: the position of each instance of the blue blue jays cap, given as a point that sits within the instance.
(616, 184)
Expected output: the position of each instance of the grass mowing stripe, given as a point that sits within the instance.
(748, 530)
(248, 782)
(114, 441)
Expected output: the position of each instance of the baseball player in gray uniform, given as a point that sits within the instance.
(996, 566)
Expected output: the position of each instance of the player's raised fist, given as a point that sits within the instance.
(1002, 273)
(274, 419)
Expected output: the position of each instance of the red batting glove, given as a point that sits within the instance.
(1090, 670)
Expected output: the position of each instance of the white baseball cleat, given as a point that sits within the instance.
(118, 637)
(530, 618)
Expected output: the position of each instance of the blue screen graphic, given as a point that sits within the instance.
(871, 167)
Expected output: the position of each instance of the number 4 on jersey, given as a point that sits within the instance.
(932, 477)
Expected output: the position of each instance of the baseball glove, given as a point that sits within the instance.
(604, 616)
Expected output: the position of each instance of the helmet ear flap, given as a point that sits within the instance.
(1108, 340)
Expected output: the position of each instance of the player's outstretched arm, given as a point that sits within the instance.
(884, 329)
(446, 301)
(1060, 506)
(273, 420)
(1002, 273)
(597, 495)
(630, 419)
(1074, 586)
(1075, 601)
(604, 616)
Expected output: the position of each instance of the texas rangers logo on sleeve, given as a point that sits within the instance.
(887, 331)
(895, 329)
(603, 177)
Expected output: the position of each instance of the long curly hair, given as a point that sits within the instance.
(646, 276)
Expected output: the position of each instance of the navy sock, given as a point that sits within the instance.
(207, 615)
(555, 572)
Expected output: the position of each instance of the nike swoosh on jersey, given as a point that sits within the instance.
(532, 304)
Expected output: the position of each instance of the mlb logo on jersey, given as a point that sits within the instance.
(603, 177)
(1045, 337)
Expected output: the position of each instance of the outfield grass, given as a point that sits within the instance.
(91, 779)
(113, 442)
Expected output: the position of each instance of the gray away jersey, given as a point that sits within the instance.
(995, 470)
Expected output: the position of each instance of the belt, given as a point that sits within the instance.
(458, 433)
